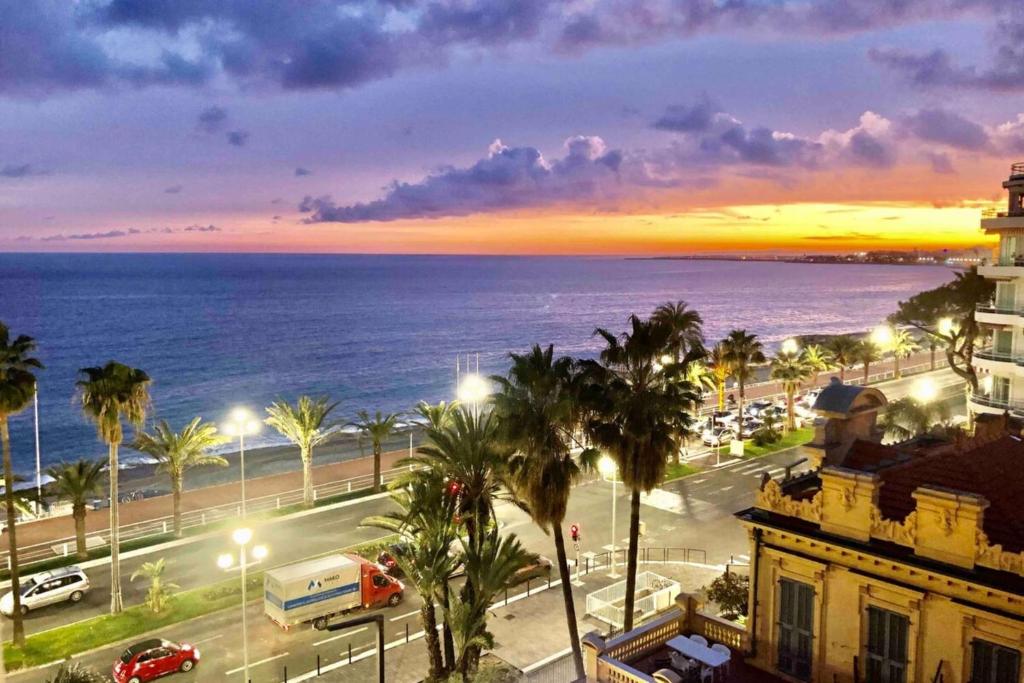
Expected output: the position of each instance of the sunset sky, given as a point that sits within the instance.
(515, 126)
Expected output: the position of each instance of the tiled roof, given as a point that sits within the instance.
(993, 469)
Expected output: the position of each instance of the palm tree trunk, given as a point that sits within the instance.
(429, 620)
(790, 414)
(634, 542)
(446, 631)
(570, 606)
(867, 370)
(18, 633)
(739, 425)
(177, 486)
(115, 536)
(896, 366)
(78, 512)
(721, 396)
(842, 374)
(376, 466)
(307, 477)
(933, 347)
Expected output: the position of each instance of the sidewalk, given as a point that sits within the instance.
(52, 529)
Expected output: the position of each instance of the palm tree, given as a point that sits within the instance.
(721, 370)
(76, 672)
(536, 416)
(903, 344)
(818, 359)
(687, 328)
(436, 416)
(906, 418)
(303, 425)
(76, 482)
(17, 388)
(178, 452)
(490, 564)
(843, 348)
(792, 371)
(639, 414)
(160, 591)
(110, 394)
(426, 520)
(378, 428)
(742, 351)
(866, 353)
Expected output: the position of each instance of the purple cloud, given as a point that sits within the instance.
(212, 119)
(940, 163)
(300, 171)
(16, 171)
(689, 118)
(173, 189)
(947, 128)
(238, 138)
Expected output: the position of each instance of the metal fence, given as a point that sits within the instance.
(656, 593)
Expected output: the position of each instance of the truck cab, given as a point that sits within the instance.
(379, 588)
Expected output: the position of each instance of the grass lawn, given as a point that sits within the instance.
(64, 641)
(797, 437)
(678, 470)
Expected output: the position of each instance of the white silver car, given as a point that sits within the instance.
(67, 584)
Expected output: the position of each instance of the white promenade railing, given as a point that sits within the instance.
(655, 593)
(192, 519)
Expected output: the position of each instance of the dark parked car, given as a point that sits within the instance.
(152, 659)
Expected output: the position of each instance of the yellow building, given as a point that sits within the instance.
(890, 564)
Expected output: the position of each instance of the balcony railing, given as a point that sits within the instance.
(989, 354)
(993, 307)
(1017, 169)
(1014, 406)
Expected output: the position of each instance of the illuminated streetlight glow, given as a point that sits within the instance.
(945, 326)
(882, 337)
(790, 346)
(986, 384)
(241, 423)
(242, 535)
(474, 389)
(607, 467)
(924, 390)
(225, 560)
(259, 552)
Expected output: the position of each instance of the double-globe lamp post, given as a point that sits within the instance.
(241, 423)
(474, 389)
(242, 537)
(609, 470)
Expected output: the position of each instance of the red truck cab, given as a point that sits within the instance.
(378, 588)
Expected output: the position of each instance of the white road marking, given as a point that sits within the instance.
(255, 664)
(340, 635)
(206, 640)
(404, 616)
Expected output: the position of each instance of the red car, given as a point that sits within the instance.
(152, 659)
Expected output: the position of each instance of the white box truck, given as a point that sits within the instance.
(315, 590)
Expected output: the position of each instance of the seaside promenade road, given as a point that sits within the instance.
(696, 512)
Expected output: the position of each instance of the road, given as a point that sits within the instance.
(695, 512)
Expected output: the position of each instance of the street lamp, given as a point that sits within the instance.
(473, 390)
(609, 470)
(945, 326)
(241, 423)
(790, 346)
(924, 390)
(882, 337)
(242, 537)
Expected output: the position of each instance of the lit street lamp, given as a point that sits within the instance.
(240, 424)
(474, 389)
(609, 470)
(790, 346)
(242, 537)
(924, 390)
(882, 337)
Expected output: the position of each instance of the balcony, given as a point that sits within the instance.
(993, 313)
(1017, 169)
(981, 403)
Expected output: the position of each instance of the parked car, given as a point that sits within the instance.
(153, 658)
(721, 416)
(388, 558)
(719, 436)
(539, 567)
(755, 408)
(67, 584)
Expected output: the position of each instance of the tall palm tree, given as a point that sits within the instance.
(743, 351)
(426, 520)
(818, 359)
(902, 346)
(640, 411)
(906, 418)
(303, 425)
(178, 452)
(687, 328)
(77, 482)
(534, 406)
(377, 428)
(866, 353)
(843, 348)
(721, 370)
(436, 416)
(110, 394)
(792, 371)
(17, 387)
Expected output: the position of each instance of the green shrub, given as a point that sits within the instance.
(730, 591)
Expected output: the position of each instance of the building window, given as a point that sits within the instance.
(887, 646)
(993, 663)
(796, 617)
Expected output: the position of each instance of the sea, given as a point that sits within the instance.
(215, 331)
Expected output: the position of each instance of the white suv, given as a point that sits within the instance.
(67, 584)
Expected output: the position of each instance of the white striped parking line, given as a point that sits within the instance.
(255, 664)
(206, 640)
(405, 616)
(340, 635)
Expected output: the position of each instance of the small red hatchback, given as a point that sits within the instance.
(152, 659)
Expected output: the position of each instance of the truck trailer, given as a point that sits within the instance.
(316, 590)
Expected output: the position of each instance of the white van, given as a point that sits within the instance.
(67, 584)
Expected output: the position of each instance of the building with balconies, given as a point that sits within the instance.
(1000, 364)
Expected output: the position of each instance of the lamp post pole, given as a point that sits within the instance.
(613, 574)
(39, 476)
(245, 631)
(240, 423)
(241, 458)
(242, 537)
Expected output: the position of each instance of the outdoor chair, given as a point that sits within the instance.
(700, 640)
(718, 647)
(680, 663)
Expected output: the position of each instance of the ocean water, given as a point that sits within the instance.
(376, 332)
